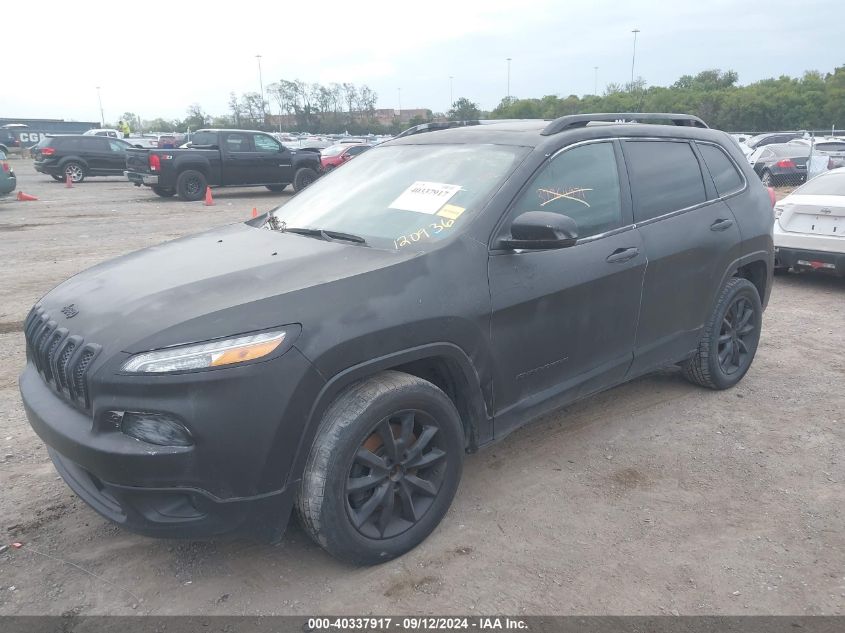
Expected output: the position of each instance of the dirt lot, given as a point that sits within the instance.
(656, 497)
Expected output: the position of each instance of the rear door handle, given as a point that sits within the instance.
(622, 255)
(721, 225)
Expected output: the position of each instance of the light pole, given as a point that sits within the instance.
(100, 100)
(596, 81)
(451, 95)
(508, 60)
(261, 84)
(634, 57)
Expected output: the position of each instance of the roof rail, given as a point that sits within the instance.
(581, 120)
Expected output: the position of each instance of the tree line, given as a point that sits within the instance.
(814, 101)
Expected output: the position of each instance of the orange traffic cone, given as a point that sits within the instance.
(68, 181)
(254, 212)
(209, 201)
(25, 197)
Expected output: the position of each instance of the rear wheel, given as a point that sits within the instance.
(191, 185)
(383, 469)
(164, 193)
(767, 179)
(75, 170)
(730, 338)
(277, 188)
(303, 177)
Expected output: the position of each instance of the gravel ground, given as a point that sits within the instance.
(656, 497)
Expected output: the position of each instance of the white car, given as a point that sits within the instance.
(809, 228)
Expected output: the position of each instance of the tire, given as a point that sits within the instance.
(276, 188)
(767, 179)
(730, 319)
(303, 177)
(191, 185)
(75, 170)
(162, 192)
(350, 447)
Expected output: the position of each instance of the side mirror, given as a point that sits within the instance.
(537, 230)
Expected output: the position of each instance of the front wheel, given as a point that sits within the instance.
(303, 177)
(383, 469)
(730, 338)
(191, 185)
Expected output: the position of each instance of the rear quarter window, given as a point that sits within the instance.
(665, 177)
(725, 175)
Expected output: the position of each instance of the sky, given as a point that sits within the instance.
(156, 58)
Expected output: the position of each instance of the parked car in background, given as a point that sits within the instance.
(10, 138)
(8, 181)
(336, 155)
(832, 147)
(81, 155)
(104, 131)
(809, 231)
(780, 165)
(340, 354)
(222, 158)
(770, 138)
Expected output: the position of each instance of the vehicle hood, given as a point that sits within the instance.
(226, 281)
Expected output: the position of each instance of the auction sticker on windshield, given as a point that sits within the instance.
(425, 197)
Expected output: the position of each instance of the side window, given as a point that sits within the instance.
(117, 146)
(582, 183)
(665, 177)
(93, 144)
(354, 151)
(725, 175)
(265, 143)
(236, 142)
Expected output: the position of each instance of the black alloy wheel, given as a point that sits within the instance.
(738, 326)
(395, 475)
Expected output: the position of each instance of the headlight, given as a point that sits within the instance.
(204, 355)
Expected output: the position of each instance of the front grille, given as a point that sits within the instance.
(62, 359)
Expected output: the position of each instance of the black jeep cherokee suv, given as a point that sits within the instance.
(342, 353)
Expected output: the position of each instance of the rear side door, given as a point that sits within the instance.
(275, 159)
(241, 165)
(691, 239)
(564, 321)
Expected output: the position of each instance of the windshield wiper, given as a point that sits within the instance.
(327, 235)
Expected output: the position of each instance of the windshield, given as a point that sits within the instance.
(404, 196)
(831, 184)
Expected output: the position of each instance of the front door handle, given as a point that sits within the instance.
(622, 255)
(721, 225)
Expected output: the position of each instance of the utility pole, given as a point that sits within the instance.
(100, 99)
(596, 81)
(261, 84)
(508, 60)
(451, 96)
(634, 57)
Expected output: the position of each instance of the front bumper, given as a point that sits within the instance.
(139, 178)
(235, 475)
(801, 259)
